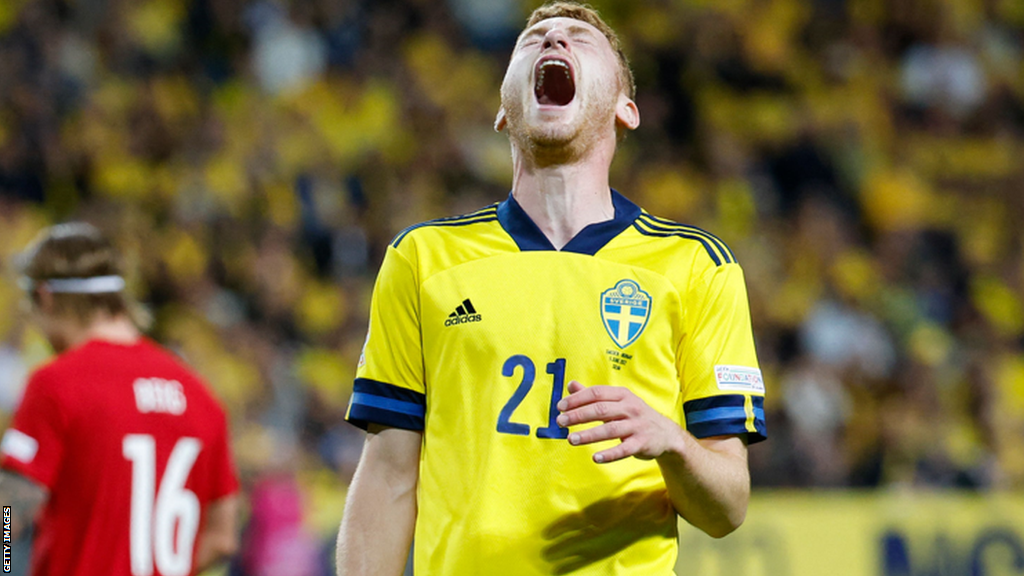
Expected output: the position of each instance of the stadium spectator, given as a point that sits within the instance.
(784, 126)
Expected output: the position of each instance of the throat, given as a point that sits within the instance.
(561, 214)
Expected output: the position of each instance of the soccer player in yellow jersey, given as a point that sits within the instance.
(549, 382)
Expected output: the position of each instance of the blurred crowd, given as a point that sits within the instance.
(253, 158)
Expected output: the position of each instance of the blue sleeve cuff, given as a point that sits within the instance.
(381, 403)
(726, 416)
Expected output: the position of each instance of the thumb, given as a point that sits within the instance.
(575, 387)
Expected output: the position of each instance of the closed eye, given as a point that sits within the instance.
(531, 38)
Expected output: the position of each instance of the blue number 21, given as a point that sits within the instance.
(557, 371)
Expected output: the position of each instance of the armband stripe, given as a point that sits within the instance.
(727, 415)
(376, 402)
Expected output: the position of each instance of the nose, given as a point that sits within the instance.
(556, 39)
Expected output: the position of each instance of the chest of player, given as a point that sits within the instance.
(494, 322)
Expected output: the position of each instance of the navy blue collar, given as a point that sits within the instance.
(588, 241)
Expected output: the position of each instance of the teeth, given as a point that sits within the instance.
(547, 64)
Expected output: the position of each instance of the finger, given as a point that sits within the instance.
(629, 447)
(596, 412)
(608, 431)
(574, 388)
(591, 395)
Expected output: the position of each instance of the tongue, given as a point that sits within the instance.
(557, 87)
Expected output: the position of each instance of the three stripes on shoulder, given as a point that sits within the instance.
(483, 215)
(659, 227)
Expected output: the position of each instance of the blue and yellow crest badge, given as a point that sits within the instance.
(625, 310)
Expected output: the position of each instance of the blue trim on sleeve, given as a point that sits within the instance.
(385, 390)
(376, 402)
(721, 414)
(724, 416)
(389, 404)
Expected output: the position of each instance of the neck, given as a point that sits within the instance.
(117, 329)
(563, 199)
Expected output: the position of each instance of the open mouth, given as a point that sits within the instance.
(554, 83)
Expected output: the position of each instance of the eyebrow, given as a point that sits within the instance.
(539, 30)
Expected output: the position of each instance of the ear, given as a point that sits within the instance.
(627, 115)
(500, 121)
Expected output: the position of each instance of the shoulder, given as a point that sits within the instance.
(444, 228)
(707, 250)
(439, 245)
(59, 369)
(49, 392)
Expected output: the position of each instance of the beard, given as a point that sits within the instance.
(550, 142)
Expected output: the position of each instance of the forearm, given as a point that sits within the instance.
(708, 482)
(25, 498)
(377, 527)
(380, 511)
(211, 551)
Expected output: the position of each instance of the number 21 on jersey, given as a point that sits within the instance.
(557, 371)
(156, 509)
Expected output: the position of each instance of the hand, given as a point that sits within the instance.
(645, 433)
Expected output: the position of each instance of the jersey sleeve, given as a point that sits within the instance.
(389, 387)
(34, 444)
(224, 478)
(722, 387)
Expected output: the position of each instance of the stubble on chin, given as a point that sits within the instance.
(556, 143)
(552, 144)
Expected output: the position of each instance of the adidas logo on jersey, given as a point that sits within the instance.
(463, 314)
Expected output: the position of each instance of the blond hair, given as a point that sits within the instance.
(586, 13)
(77, 250)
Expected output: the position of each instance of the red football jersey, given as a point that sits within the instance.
(131, 446)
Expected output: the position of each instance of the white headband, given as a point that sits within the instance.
(94, 285)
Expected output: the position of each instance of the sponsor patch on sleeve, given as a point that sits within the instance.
(19, 445)
(739, 378)
(362, 353)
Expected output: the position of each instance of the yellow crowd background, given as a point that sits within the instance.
(252, 158)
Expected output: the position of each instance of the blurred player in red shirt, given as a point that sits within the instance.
(117, 449)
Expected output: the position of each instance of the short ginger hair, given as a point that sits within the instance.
(586, 13)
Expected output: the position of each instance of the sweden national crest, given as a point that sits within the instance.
(625, 310)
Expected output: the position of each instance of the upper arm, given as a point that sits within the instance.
(34, 444)
(222, 520)
(394, 449)
(735, 446)
(219, 538)
(392, 456)
(390, 389)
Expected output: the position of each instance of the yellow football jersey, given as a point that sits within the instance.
(477, 325)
